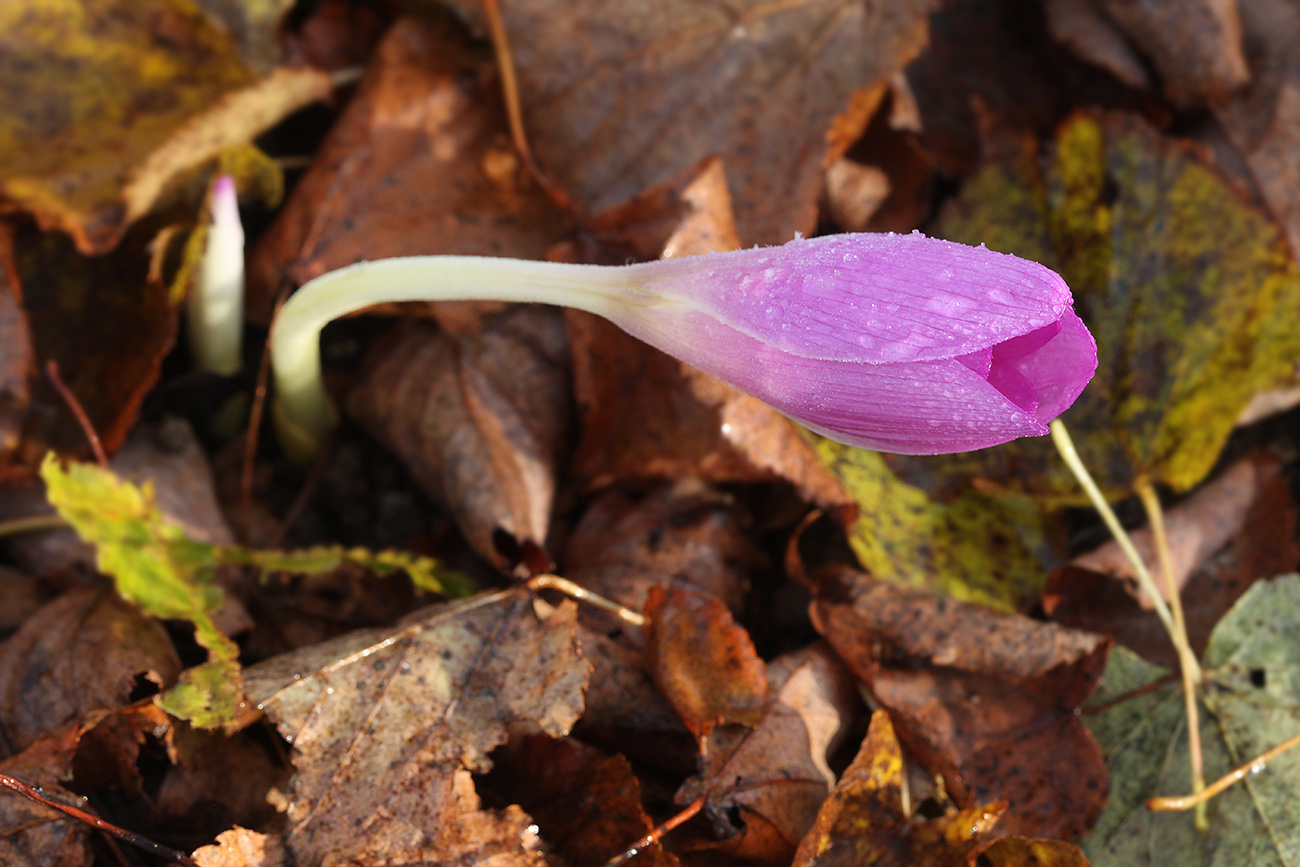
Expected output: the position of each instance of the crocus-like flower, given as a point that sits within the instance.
(899, 343)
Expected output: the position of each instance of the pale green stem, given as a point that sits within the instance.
(33, 524)
(303, 412)
(1186, 659)
(1065, 446)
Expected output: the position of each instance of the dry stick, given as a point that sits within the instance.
(52, 371)
(32, 524)
(1151, 503)
(1186, 802)
(635, 849)
(254, 428)
(37, 794)
(582, 594)
(510, 95)
(1061, 437)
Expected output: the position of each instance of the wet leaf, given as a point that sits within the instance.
(420, 163)
(984, 546)
(763, 786)
(1252, 704)
(703, 660)
(863, 821)
(118, 101)
(1180, 279)
(1026, 852)
(388, 723)
(88, 650)
(790, 87)
(33, 835)
(986, 699)
(481, 422)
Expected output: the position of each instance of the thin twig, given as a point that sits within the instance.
(32, 524)
(1187, 660)
(37, 794)
(1065, 446)
(96, 447)
(254, 429)
(1186, 802)
(514, 114)
(582, 594)
(654, 836)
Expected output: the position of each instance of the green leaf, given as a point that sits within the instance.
(424, 572)
(1144, 740)
(980, 547)
(1188, 287)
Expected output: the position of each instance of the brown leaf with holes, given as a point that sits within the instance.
(703, 660)
(613, 102)
(984, 698)
(387, 725)
(481, 422)
(587, 804)
(68, 300)
(648, 415)
(119, 101)
(1237, 528)
(763, 786)
(31, 834)
(864, 821)
(85, 651)
(420, 163)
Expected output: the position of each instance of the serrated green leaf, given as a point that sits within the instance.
(424, 572)
(978, 547)
(1144, 740)
(207, 695)
(1189, 289)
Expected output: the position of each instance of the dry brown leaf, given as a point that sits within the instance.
(1236, 529)
(420, 163)
(854, 192)
(119, 101)
(83, 652)
(481, 422)
(864, 821)
(20, 596)
(33, 835)
(614, 106)
(387, 724)
(240, 847)
(773, 778)
(984, 698)
(17, 363)
(107, 327)
(1026, 852)
(586, 803)
(1089, 34)
(682, 535)
(703, 660)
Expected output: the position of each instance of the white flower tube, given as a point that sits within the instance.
(216, 304)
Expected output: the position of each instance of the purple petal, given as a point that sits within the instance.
(868, 298)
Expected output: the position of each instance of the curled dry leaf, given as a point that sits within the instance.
(388, 723)
(420, 163)
(33, 835)
(865, 820)
(1235, 529)
(586, 803)
(790, 86)
(647, 415)
(120, 100)
(703, 660)
(83, 652)
(481, 422)
(240, 847)
(774, 777)
(986, 699)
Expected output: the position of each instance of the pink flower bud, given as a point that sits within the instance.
(899, 343)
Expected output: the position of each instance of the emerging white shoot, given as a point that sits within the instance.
(216, 304)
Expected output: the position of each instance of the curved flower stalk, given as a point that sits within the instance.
(900, 343)
(215, 309)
